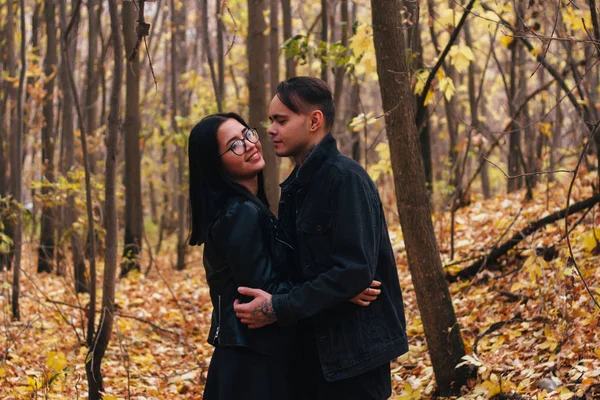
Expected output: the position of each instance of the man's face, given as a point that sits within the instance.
(290, 131)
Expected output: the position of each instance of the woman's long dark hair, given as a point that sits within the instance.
(210, 187)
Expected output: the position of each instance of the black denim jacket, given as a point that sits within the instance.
(245, 248)
(331, 209)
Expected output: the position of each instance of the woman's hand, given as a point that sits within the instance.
(368, 295)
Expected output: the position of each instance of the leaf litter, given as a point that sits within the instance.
(534, 324)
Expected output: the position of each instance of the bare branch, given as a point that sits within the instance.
(527, 173)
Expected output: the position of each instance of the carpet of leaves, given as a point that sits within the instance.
(547, 347)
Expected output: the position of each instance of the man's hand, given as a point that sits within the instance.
(368, 295)
(257, 313)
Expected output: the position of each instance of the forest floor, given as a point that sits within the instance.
(543, 340)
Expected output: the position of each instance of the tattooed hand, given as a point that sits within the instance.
(257, 313)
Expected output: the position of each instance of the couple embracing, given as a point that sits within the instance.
(306, 306)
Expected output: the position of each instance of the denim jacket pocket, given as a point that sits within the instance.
(316, 236)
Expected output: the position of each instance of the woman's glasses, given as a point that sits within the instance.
(238, 147)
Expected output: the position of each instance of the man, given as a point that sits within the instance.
(333, 215)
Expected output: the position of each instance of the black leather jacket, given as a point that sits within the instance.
(332, 213)
(245, 248)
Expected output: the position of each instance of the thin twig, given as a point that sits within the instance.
(234, 31)
(14, 339)
(145, 321)
(527, 173)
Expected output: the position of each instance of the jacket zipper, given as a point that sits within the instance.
(218, 322)
(286, 243)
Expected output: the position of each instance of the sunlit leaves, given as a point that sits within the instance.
(461, 56)
(358, 123)
(446, 86)
(384, 165)
(363, 49)
(56, 361)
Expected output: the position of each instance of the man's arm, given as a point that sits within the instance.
(355, 242)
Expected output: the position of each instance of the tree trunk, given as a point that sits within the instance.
(134, 228)
(47, 234)
(11, 98)
(353, 111)
(274, 46)
(556, 134)
(290, 64)
(324, 38)
(207, 51)
(16, 171)
(68, 144)
(94, 375)
(257, 84)
(514, 141)
(36, 23)
(180, 151)
(593, 92)
(220, 52)
(439, 321)
(474, 108)
(91, 93)
(340, 72)
(424, 130)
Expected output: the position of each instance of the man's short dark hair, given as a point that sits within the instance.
(302, 94)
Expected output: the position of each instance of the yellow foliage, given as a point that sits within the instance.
(384, 165)
(506, 41)
(589, 240)
(362, 47)
(420, 80)
(409, 393)
(461, 56)
(56, 361)
(546, 129)
(448, 17)
(447, 87)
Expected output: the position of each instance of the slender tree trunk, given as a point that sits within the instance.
(16, 172)
(36, 23)
(514, 141)
(6, 137)
(181, 245)
(220, 52)
(257, 46)
(98, 350)
(209, 57)
(48, 230)
(133, 181)
(91, 93)
(435, 304)
(474, 108)
(353, 110)
(594, 84)
(68, 144)
(274, 46)
(324, 37)
(290, 64)
(556, 134)
(340, 72)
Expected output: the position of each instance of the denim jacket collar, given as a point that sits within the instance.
(304, 174)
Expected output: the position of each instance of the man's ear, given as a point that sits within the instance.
(317, 119)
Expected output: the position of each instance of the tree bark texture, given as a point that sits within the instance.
(439, 321)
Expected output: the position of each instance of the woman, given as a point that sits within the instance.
(242, 247)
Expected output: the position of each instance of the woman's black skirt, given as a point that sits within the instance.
(239, 373)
